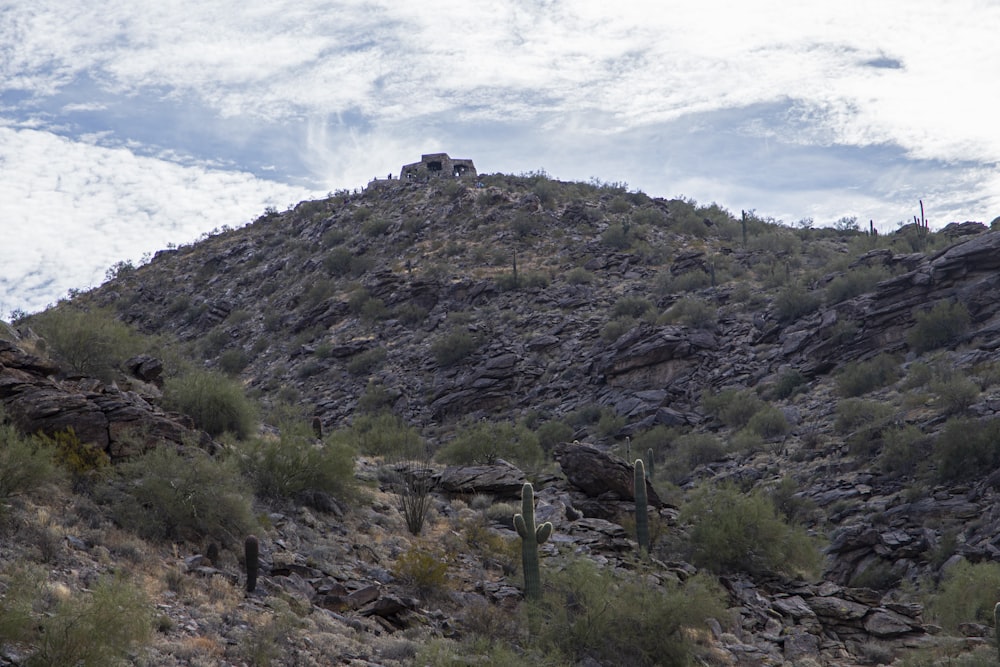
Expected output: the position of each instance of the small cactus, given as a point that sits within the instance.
(251, 548)
(641, 513)
(531, 537)
(649, 464)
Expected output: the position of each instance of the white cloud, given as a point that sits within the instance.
(72, 209)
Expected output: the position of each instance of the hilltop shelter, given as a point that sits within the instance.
(437, 165)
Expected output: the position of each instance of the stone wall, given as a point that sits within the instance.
(437, 165)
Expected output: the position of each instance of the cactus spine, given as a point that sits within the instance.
(251, 548)
(641, 516)
(531, 537)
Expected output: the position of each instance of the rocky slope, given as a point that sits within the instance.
(527, 299)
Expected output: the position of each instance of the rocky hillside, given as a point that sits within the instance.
(846, 376)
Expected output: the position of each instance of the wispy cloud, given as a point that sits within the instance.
(820, 109)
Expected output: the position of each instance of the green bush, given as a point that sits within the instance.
(588, 613)
(552, 433)
(692, 312)
(579, 276)
(903, 450)
(861, 377)
(955, 394)
(616, 237)
(736, 532)
(967, 449)
(365, 362)
(453, 347)
(733, 407)
(788, 384)
(617, 328)
(93, 629)
(233, 361)
(768, 422)
(967, 594)
(164, 494)
(794, 302)
(690, 451)
(856, 413)
(25, 465)
(938, 327)
(216, 403)
(631, 306)
(424, 569)
(485, 442)
(856, 281)
(90, 342)
(293, 464)
(384, 434)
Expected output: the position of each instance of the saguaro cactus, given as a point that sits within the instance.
(531, 537)
(251, 549)
(996, 627)
(649, 464)
(641, 503)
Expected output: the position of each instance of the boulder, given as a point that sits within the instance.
(599, 474)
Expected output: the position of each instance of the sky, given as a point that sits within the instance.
(127, 126)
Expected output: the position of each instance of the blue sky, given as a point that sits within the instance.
(126, 126)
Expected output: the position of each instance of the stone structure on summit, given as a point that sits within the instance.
(437, 165)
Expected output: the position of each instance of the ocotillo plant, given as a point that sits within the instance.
(641, 516)
(251, 549)
(531, 537)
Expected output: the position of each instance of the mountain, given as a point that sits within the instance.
(845, 380)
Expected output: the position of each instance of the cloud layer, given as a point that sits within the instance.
(124, 126)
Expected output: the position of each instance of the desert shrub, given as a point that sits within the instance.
(793, 302)
(485, 442)
(233, 361)
(376, 398)
(552, 433)
(967, 594)
(293, 464)
(938, 327)
(903, 450)
(631, 306)
(610, 423)
(453, 347)
(692, 450)
(788, 383)
(861, 377)
(423, 568)
(692, 312)
(25, 465)
(165, 494)
(375, 227)
(334, 237)
(736, 532)
(856, 281)
(81, 460)
(385, 434)
(955, 394)
(792, 506)
(733, 407)
(365, 362)
(96, 628)
(856, 413)
(592, 613)
(411, 313)
(579, 276)
(652, 217)
(90, 342)
(616, 236)
(768, 422)
(617, 328)
(967, 448)
(216, 403)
